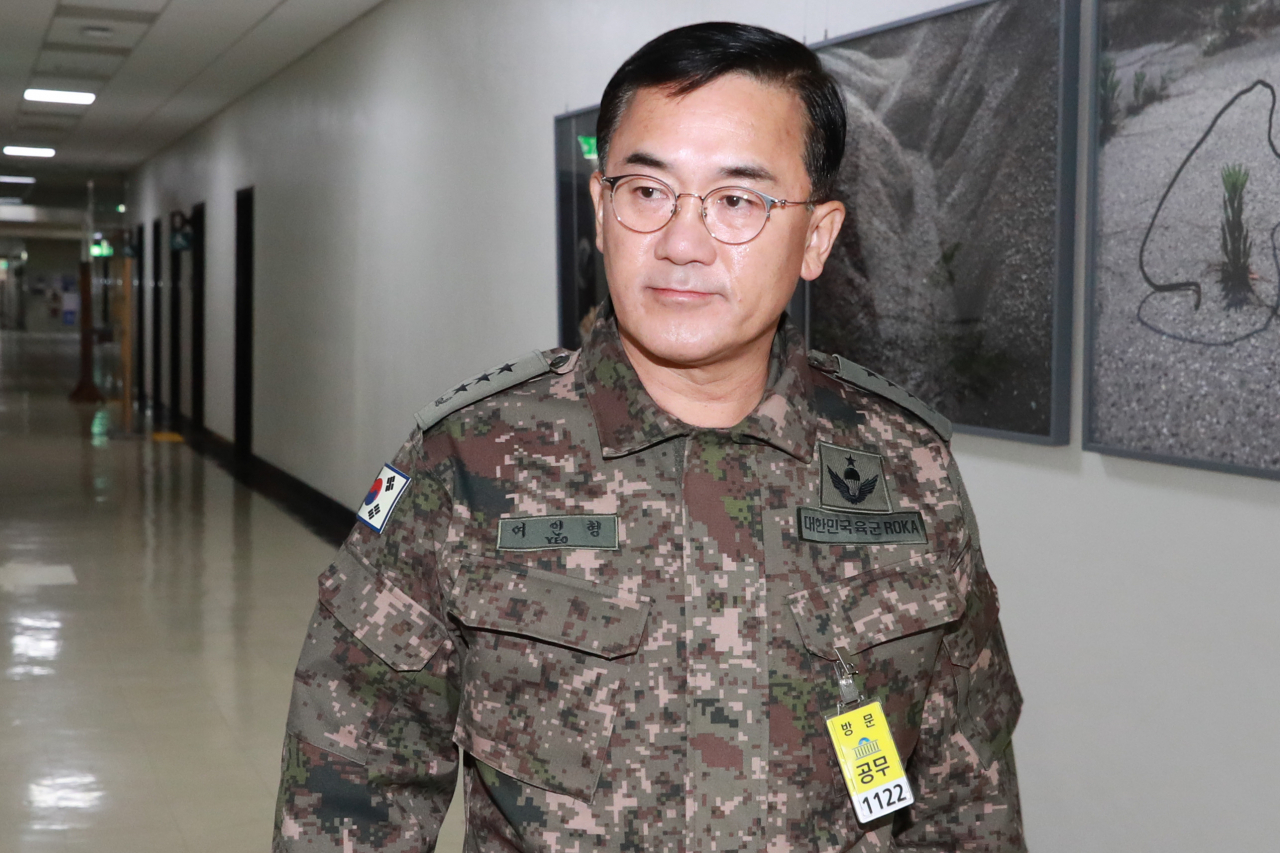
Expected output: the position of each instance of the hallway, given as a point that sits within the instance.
(153, 609)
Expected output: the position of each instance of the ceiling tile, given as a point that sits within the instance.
(44, 109)
(65, 83)
(68, 30)
(152, 6)
(78, 63)
(47, 121)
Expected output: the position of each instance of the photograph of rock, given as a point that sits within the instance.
(953, 274)
(1183, 346)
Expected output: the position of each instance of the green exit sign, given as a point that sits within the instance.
(588, 145)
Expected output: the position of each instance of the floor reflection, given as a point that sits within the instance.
(152, 610)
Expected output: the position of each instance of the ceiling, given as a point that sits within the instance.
(159, 68)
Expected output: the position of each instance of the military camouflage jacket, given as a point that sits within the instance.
(626, 630)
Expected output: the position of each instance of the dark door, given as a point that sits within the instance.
(244, 323)
(175, 335)
(157, 339)
(197, 317)
(139, 377)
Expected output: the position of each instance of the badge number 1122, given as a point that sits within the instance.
(869, 762)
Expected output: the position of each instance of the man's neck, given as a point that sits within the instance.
(715, 396)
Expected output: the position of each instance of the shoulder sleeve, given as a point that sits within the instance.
(493, 380)
(369, 761)
(962, 770)
(860, 377)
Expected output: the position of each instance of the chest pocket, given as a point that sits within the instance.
(546, 657)
(888, 627)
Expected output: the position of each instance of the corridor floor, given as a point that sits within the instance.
(153, 609)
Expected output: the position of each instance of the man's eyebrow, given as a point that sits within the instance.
(750, 173)
(640, 158)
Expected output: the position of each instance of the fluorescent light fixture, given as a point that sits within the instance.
(8, 199)
(60, 96)
(24, 151)
(16, 179)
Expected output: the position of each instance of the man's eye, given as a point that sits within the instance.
(738, 202)
(650, 193)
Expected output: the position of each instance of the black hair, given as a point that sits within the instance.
(685, 59)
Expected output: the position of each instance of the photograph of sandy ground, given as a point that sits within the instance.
(944, 276)
(1200, 385)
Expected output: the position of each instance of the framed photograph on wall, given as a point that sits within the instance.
(1182, 361)
(953, 274)
(581, 272)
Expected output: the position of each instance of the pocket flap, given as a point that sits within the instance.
(389, 623)
(855, 614)
(590, 617)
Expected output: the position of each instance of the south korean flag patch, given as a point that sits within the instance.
(382, 498)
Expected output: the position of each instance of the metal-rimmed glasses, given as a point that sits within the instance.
(732, 215)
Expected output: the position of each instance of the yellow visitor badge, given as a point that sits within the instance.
(869, 761)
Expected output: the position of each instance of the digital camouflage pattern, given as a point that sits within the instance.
(668, 695)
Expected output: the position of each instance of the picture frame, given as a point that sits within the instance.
(1182, 315)
(1032, 402)
(954, 274)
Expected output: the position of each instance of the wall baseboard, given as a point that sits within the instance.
(318, 512)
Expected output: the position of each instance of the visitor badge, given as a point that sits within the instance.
(869, 761)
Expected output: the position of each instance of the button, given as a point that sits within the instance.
(560, 361)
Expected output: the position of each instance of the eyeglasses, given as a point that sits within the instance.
(732, 215)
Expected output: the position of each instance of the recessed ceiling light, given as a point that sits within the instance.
(97, 31)
(59, 96)
(24, 151)
(120, 208)
(16, 179)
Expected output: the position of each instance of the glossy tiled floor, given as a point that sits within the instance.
(152, 611)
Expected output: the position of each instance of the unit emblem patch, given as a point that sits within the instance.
(382, 498)
(852, 480)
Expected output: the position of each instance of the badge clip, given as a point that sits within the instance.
(849, 692)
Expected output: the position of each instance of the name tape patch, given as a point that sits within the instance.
(538, 533)
(382, 498)
(842, 528)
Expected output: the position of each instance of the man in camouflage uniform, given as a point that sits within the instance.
(619, 586)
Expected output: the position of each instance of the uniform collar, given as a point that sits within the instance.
(627, 419)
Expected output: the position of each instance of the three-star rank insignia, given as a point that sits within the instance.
(852, 480)
(383, 495)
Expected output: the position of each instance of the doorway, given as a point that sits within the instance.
(244, 325)
(139, 378)
(176, 415)
(197, 318)
(157, 315)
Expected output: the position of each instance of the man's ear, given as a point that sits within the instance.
(824, 226)
(597, 199)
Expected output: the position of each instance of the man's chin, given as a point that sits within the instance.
(687, 351)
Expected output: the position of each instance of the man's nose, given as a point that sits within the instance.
(685, 239)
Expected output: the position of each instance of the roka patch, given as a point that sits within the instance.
(538, 533)
(852, 480)
(382, 498)
(843, 528)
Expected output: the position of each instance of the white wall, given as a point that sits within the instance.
(406, 239)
